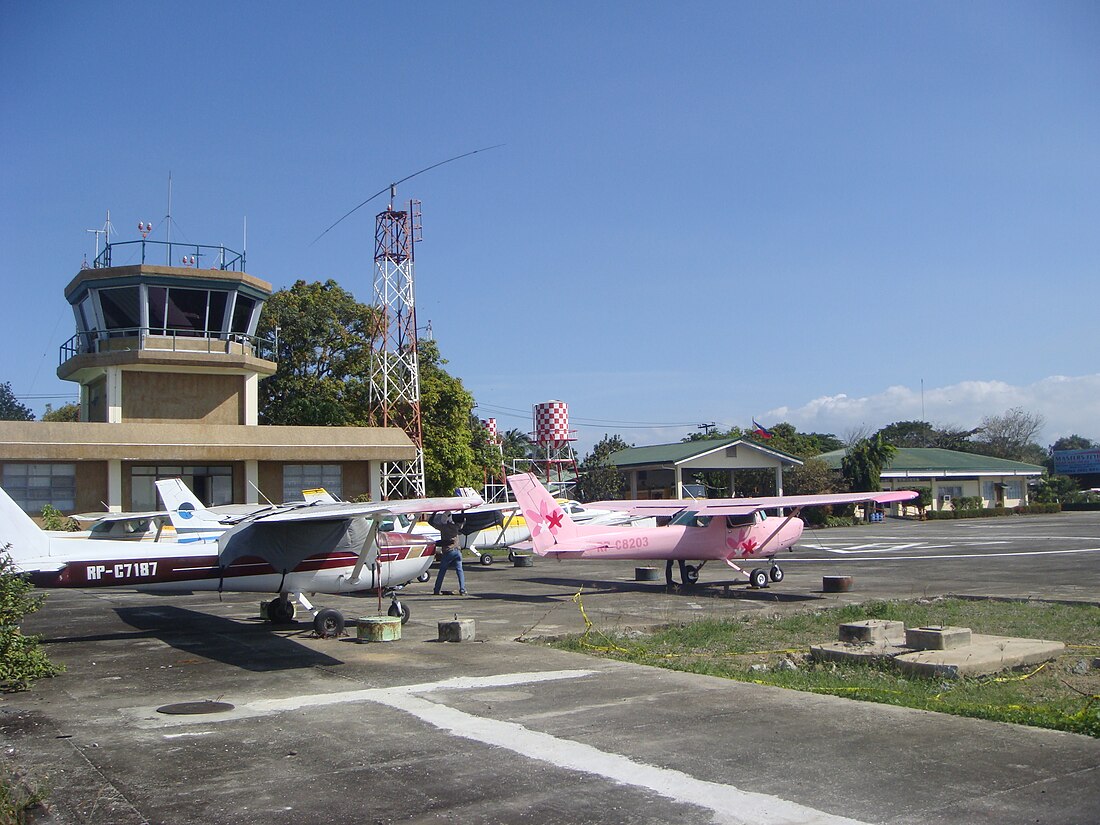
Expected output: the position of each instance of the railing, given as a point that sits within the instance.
(191, 255)
(166, 340)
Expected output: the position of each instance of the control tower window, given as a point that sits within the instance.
(242, 315)
(121, 308)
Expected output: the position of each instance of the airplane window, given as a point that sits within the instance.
(740, 521)
(690, 518)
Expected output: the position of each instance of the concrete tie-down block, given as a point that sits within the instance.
(872, 631)
(937, 638)
(459, 630)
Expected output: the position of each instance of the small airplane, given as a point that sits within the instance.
(731, 530)
(290, 550)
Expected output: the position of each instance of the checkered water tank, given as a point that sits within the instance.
(490, 425)
(552, 423)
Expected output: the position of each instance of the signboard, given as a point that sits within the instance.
(1076, 462)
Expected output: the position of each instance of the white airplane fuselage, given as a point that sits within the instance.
(169, 567)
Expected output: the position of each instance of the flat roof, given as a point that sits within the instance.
(193, 442)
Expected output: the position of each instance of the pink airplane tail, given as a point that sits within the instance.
(549, 523)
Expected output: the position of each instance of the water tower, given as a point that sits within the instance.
(554, 442)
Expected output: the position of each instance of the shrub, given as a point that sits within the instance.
(22, 660)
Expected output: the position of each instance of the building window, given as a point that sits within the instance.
(1014, 489)
(298, 477)
(213, 485)
(948, 493)
(32, 486)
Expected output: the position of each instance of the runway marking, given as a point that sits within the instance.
(730, 804)
(957, 556)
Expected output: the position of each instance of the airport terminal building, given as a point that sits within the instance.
(168, 365)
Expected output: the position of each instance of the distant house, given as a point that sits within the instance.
(665, 471)
(952, 474)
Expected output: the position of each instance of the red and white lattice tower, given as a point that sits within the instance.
(554, 441)
(395, 368)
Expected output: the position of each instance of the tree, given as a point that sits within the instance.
(446, 413)
(325, 345)
(1074, 442)
(923, 434)
(1055, 488)
(863, 463)
(515, 445)
(812, 478)
(1010, 435)
(66, 412)
(598, 478)
(789, 440)
(11, 409)
(22, 659)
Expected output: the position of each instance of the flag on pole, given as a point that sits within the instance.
(757, 429)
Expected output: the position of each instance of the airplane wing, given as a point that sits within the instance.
(286, 536)
(112, 517)
(745, 506)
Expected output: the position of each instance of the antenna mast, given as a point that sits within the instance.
(395, 368)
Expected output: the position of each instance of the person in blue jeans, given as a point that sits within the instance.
(451, 553)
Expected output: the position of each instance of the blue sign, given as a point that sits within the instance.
(1076, 462)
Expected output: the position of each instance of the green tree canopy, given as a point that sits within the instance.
(598, 478)
(1010, 435)
(451, 432)
(325, 339)
(862, 464)
(923, 434)
(66, 412)
(11, 408)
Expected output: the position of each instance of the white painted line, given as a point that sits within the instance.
(953, 556)
(731, 805)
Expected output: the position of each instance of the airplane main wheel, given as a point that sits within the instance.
(776, 574)
(487, 559)
(280, 612)
(329, 623)
(691, 574)
(759, 577)
(400, 609)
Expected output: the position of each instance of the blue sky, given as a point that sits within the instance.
(702, 212)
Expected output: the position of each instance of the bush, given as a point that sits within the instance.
(22, 659)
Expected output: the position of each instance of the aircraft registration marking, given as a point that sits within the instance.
(730, 804)
(122, 570)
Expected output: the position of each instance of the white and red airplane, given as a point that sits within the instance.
(733, 530)
(290, 550)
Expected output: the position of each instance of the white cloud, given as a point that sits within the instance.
(1068, 404)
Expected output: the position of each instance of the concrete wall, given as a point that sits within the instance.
(149, 397)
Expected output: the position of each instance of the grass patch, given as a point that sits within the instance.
(1062, 695)
(20, 800)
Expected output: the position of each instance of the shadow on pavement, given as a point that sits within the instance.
(249, 646)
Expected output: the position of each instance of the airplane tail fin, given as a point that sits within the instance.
(187, 513)
(549, 523)
(20, 537)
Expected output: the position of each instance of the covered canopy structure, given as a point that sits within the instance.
(663, 470)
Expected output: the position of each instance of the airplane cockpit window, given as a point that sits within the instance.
(741, 520)
(690, 518)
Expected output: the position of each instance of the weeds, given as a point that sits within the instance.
(1062, 695)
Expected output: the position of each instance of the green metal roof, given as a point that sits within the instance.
(934, 461)
(683, 451)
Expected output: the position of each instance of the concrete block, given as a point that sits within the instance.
(937, 638)
(378, 629)
(870, 631)
(982, 656)
(458, 630)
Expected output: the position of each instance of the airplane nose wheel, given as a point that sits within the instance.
(328, 623)
(691, 574)
(399, 609)
(776, 574)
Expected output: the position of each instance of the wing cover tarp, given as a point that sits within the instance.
(285, 545)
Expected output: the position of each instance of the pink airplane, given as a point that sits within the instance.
(727, 529)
